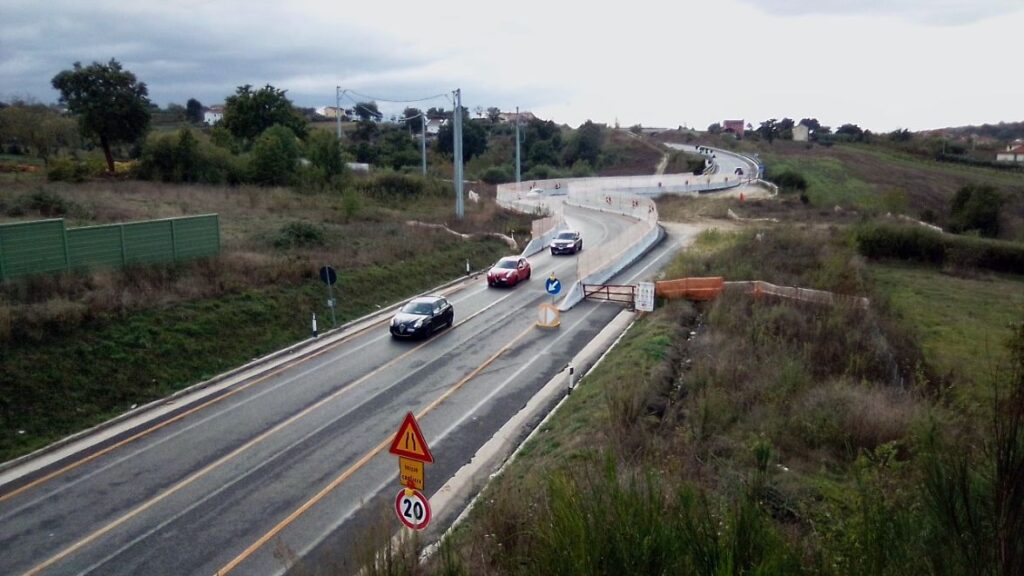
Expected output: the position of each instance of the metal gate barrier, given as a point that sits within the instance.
(620, 293)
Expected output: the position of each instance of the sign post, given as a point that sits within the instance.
(548, 315)
(330, 277)
(411, 505)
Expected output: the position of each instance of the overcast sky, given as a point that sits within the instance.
(882, 64)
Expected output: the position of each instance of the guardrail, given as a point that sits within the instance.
(597, 267)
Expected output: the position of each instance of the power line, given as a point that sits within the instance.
(394, 101)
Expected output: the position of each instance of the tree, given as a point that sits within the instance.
(769, 130)
(494, 114)
(976, 207)
(474, 138)
(585, 145)
(413, 119)
(368, 111)
(324, 152)
(851, 132)
(249, 112)
(194, 111)
(110, 103)
(37, 129)
(275, 156)
(785, 129)
(715, 128)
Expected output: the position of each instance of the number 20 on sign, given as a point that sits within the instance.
(412, 508)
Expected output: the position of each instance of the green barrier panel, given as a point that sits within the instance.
(32, 248)
(95, 247)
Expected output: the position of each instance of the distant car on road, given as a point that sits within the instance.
(509, 271)
(422, 316)
(567, 242)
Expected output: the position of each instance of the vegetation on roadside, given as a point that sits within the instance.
(760, 436)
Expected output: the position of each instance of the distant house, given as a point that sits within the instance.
(434, 125)
(333, 112)
(733, 127)
(801, 133)
(1012, 154)
(524, 117)
(212, 115)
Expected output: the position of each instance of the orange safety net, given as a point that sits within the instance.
(690, 288)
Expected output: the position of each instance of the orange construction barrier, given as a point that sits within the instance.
(690, 288)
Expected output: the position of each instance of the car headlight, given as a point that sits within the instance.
(418, 323)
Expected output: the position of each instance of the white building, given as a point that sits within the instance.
(434, 125)
(1012, 154)
(212, 115)
(801, 133)
(332, 112)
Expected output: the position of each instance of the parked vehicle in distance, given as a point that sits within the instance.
(567, 242)
(509, 271)
(421, 317)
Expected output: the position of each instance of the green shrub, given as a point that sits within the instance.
(790, 181)
(919, 244)
(393, 186)
(275, 157)
(181, 157)
(496, 175)
(46, 203)
(976, 208)
(299, 235)
(901, 243)
(71, 170)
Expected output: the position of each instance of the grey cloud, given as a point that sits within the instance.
(936, 12)
(178, 55)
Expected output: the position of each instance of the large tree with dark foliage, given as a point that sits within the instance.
(194, 111)
(249, 112)
(111, 104)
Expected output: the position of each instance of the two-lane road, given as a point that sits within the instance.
(294, 463)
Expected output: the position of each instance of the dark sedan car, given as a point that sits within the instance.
(567, 242)
(422, 317)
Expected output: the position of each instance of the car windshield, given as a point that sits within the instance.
(423, 308)
(507, 264)
(566, 235)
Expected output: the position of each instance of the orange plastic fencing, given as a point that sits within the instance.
(690, 288)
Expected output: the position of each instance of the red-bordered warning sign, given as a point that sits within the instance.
(409, 442)
(413, 508)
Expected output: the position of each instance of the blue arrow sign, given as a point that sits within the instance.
(553, 286)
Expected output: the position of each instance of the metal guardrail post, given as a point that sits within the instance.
(174, 243)
(64, 237)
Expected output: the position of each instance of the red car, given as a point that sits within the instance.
(509, 271)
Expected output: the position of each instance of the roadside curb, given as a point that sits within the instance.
(501, 449)
(149, 412)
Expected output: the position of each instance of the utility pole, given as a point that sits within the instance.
(337, 109)
(457, 146)
(423, 140)
(518, 173)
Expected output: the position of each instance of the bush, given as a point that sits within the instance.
(901, 243)
(496, 175)
(922, 245)
(275, 157)
(71, 170)
(182, 158)
(976, 208)
(790, 181)
(299, 235)
(46, 203)
(392, 186)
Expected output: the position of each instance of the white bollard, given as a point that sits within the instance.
(314, 325)
(572, 378)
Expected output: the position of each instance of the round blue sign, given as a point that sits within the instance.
(553, 286)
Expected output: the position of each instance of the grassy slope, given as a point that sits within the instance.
(962, 323)
(877, 178)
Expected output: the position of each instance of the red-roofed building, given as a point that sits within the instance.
(1012, 154)
(733, 127)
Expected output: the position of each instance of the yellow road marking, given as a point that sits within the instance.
(206, 470)
(361, 462)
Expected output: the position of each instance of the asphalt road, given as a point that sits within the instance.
(293, 465)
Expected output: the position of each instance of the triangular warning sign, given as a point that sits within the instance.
(409, 441)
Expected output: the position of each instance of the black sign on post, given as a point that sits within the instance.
(328, 275)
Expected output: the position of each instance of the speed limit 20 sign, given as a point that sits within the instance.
(412, 508)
